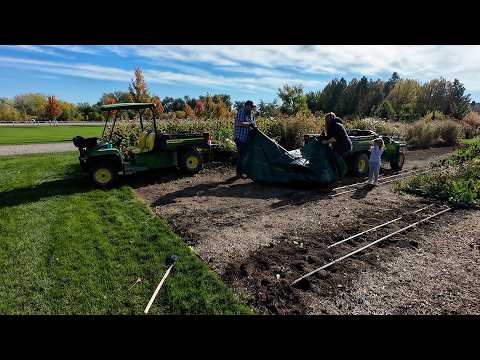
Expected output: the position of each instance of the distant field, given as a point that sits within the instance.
(45, 134)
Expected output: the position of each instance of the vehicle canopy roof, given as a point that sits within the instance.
(126, 106)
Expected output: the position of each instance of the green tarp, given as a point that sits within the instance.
(267, 161)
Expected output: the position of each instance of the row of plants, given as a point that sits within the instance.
(288, 131)
(457, 179)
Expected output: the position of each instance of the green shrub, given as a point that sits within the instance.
(379, 126)
(385, 110)
(420, 135)
(458, 182)
(446, 132)
(434, 115)
(8, 112)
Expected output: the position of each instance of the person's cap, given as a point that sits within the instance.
(250, 102)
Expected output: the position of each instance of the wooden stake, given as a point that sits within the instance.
(157, 289)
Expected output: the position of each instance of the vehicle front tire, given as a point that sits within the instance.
(397, 163)
(191, 162)
(103, 175)
(359, 165)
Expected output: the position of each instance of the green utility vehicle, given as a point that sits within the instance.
(155, 150)
(362, 140)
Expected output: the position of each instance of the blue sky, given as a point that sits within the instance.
(83, 73)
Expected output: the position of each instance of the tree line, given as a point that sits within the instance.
(396, 99)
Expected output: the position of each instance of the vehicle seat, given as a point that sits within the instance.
(146, 142)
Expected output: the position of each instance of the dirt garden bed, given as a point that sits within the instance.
(259, 250)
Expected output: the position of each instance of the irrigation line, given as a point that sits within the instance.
(386, 182)
(367, 246)
(410, 172)
(377, 227)
(383, 178)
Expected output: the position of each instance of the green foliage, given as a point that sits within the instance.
(268, 109)
(447, 132)
(385, 110)
(458, 182)
(8, 112)
(30, 105)
(420, 135)
(459, 103)
(471, 152)
(379, 126)
(293, 100)
(390, 84)
(70, 112)
(403, 98)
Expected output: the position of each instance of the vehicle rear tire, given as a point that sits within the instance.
(191, 162)
(397, 163)
(103, 175)
(360, 165)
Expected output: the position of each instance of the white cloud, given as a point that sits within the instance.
(205, 79)
(76, 49)
(34, 49)
(264, 68)
(414, 61)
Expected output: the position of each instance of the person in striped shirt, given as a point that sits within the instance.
(242, 126)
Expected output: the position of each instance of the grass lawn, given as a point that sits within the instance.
(469, 141)
(45, 134)
(69, 248)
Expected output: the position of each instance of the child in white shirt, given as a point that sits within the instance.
(376, 152)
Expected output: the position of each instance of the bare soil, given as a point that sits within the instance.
(258, 245)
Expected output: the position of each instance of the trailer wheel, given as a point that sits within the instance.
(397, 163)
(103, 175)
(191, 162)
(360, 165)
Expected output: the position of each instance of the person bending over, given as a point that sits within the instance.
(337, 135)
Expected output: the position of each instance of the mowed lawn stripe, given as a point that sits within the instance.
(45, 134)
(69, 248)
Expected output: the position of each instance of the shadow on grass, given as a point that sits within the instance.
(47, 189)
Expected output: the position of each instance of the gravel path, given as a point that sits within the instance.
(36, 148)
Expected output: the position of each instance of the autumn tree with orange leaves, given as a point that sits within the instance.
(138, 88)
(158, 106)
(188, 111)
(52, 108)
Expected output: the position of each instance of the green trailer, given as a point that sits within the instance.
(154, 150)
(362, 140)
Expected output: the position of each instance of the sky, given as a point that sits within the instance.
(82, 73)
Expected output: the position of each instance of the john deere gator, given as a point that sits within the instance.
(104, 161)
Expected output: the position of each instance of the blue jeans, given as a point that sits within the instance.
(242, 151)
(373, 171)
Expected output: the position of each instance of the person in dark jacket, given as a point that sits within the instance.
(337, 135)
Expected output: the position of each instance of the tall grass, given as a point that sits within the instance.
(288, 131)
